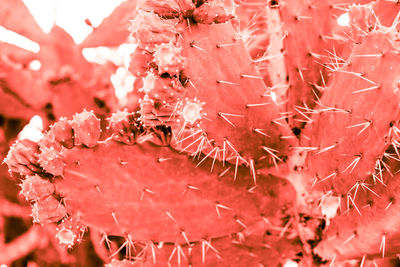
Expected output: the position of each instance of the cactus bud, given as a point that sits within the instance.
(87, 129)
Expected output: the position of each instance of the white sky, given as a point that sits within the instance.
(71, 14)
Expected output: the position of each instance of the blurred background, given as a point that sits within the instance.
(57, 57)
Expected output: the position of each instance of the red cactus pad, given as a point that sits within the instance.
(386, 12)
(354, 124)
(154, 193)
(236, 102)
(230, 250)
(371, 226)
(311, 40)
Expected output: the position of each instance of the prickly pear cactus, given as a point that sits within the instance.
(234, 156)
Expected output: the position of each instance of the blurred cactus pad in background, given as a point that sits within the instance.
(201, 133)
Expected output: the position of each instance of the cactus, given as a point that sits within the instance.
(354, 116)
(374, 232)
(225, 161)
(231, 126)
